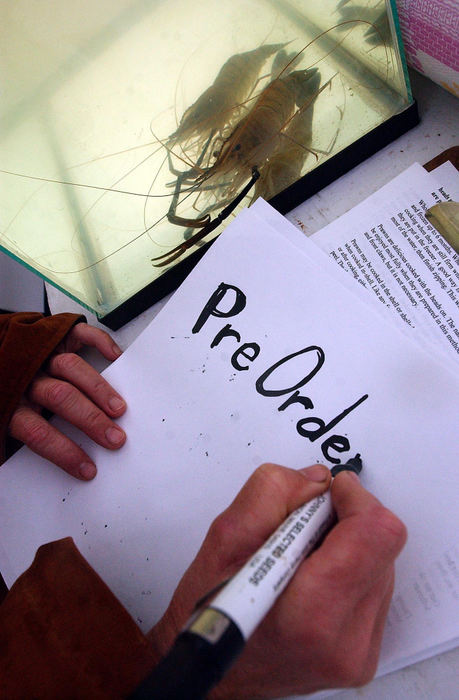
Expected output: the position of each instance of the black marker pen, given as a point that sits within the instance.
(216, 634)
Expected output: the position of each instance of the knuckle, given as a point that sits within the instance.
(223, 545)
(36, 434)
(341, 569)
(367, 673)
(59, 393)
(19, 416)
(93, 418)
(85, 332)
(78, 329)
(389, 526)
(270, 477)
(65, 362)
(103, 335)
(98, 386)
(221, 531)
(351, 672)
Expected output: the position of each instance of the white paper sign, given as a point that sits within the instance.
(288, 366)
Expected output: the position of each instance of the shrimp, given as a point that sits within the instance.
(286, 165)
(242, 151)
(215, 108)
(258, 134)
(255, 138)
(284, 62)
(378, 32)
(253, 142)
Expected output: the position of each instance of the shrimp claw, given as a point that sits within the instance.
(209, 227)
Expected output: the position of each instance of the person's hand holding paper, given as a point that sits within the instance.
(68, 386)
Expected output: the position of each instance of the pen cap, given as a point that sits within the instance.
(354, 464)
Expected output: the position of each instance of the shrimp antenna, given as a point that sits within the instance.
(81, 184)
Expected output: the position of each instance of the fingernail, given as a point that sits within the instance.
(116, 403)
(114, 435)
(87, 470)
(318, 472)
(116, 350)
(352, 475)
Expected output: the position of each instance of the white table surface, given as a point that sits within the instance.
(436, 678)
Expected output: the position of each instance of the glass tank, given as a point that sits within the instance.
(133, 130)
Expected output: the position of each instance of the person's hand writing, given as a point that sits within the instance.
(325, 630)
(69, 387)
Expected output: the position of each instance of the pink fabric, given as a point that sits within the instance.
(430, 32)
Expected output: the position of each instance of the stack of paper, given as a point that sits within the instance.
(209, 385)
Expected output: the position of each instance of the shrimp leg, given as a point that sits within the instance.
(186, 176)
(173, 218)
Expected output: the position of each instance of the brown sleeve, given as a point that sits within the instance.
(26, 341)
(64, 635)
